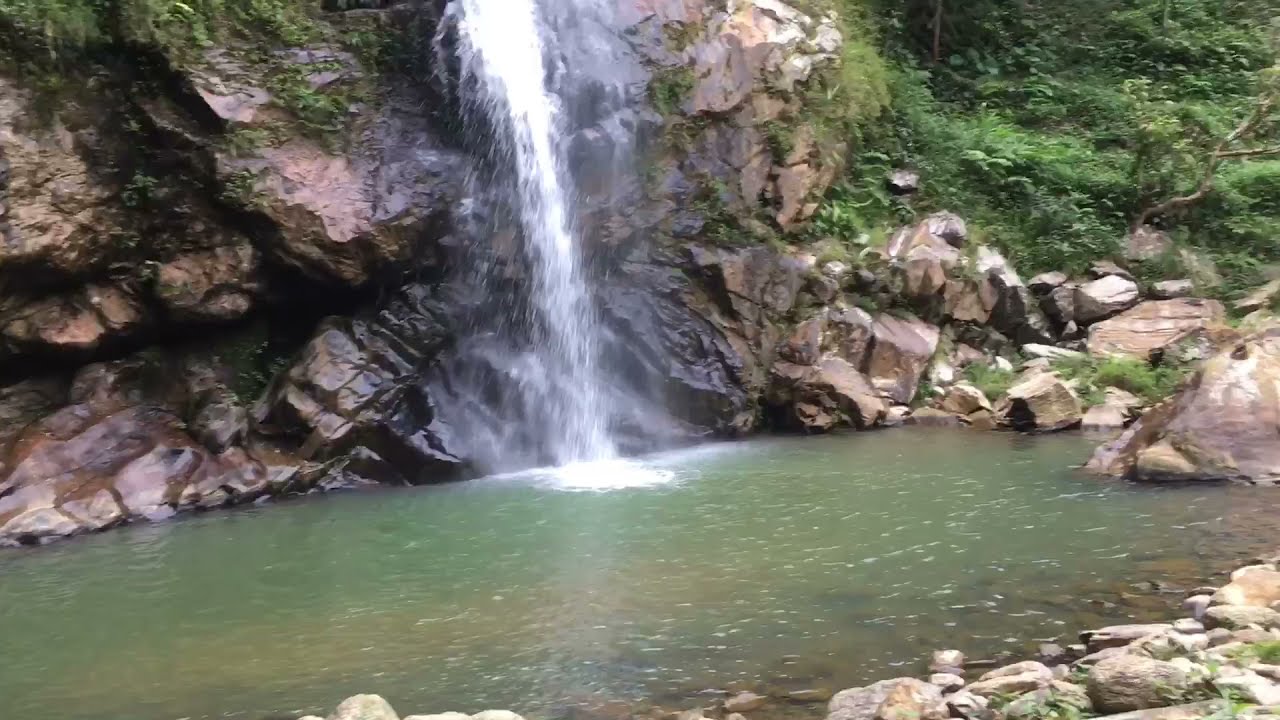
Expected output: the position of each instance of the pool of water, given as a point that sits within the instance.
(781, 563)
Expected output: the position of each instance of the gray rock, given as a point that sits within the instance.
(1172, 289)
(1190, 711)
(364, 707)
(1045, 283)
(1197, 604)
(965, 704)
(1104, 297)
(1120, 635)
(947, 682)
(1188, 626)
(1248, 685)
(441, 716)
(1132, 682)
(904, 182)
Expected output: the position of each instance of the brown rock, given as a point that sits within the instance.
(965, 399)
(745, 702)
(1153, 325)
(821, 397)
(1255, 587)
(902, 350)
(211, 285)
(1123, 683)
(897, 699)
(1043, 402)
(1221, 426)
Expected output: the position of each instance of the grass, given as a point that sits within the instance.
(991, 380)
(1094, 375)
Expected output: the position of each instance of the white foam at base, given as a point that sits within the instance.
(608, 475)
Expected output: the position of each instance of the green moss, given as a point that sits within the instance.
(240, 189)
(669, 88)
(180, 26)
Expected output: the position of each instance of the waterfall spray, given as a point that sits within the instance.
(503, 54)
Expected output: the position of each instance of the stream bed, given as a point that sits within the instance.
(781, 563)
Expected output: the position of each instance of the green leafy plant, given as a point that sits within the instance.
(993, 381)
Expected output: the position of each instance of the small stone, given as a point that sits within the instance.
(948, 682)
(810, 695)
(1197, 604)
(1120, 635)
(745, 702)
(1045, 283)
(1188, 626)
(1218, 637)
(946, 658)
(904, 182)
(1172, 289)
(965, 704)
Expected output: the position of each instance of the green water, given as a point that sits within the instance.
(780, 563)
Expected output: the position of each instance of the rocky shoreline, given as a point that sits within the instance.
(1221, 660)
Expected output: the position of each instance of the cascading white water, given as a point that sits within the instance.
(503, 55)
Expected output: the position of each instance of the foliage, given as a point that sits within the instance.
(1055, 125)
(1094, 375)
(668, 88)
(1263, 652)
(993, 381)
(180, 25)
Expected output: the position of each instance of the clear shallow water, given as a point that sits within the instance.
(788, 562)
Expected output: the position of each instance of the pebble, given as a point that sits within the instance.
(1197, 604)
(948, 682)
(745, 702)
(1188, 626)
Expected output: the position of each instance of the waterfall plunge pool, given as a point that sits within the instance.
(780, 563)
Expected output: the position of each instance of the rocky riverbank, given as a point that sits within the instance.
(1221, 660)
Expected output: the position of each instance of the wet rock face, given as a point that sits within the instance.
(139, 439)
(1221, 426)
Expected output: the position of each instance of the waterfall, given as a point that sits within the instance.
(505, 66)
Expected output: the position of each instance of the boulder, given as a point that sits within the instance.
(1172, 289)
(1221, 425)
(1106, 268)
(1124, 683)
(1045, 283)
(1103, 418)
(1015, 311)
(1059, 304)
(1044, 402)
(965, 399)
(1256, 587)
(948, 226)
(364, 707)
(820, 397)
(1239, 617)
(904, 182)
(901, 352)
(897, 699)
(1248, 686)
(1104, 297)
(1152, 326)
(968, 706)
